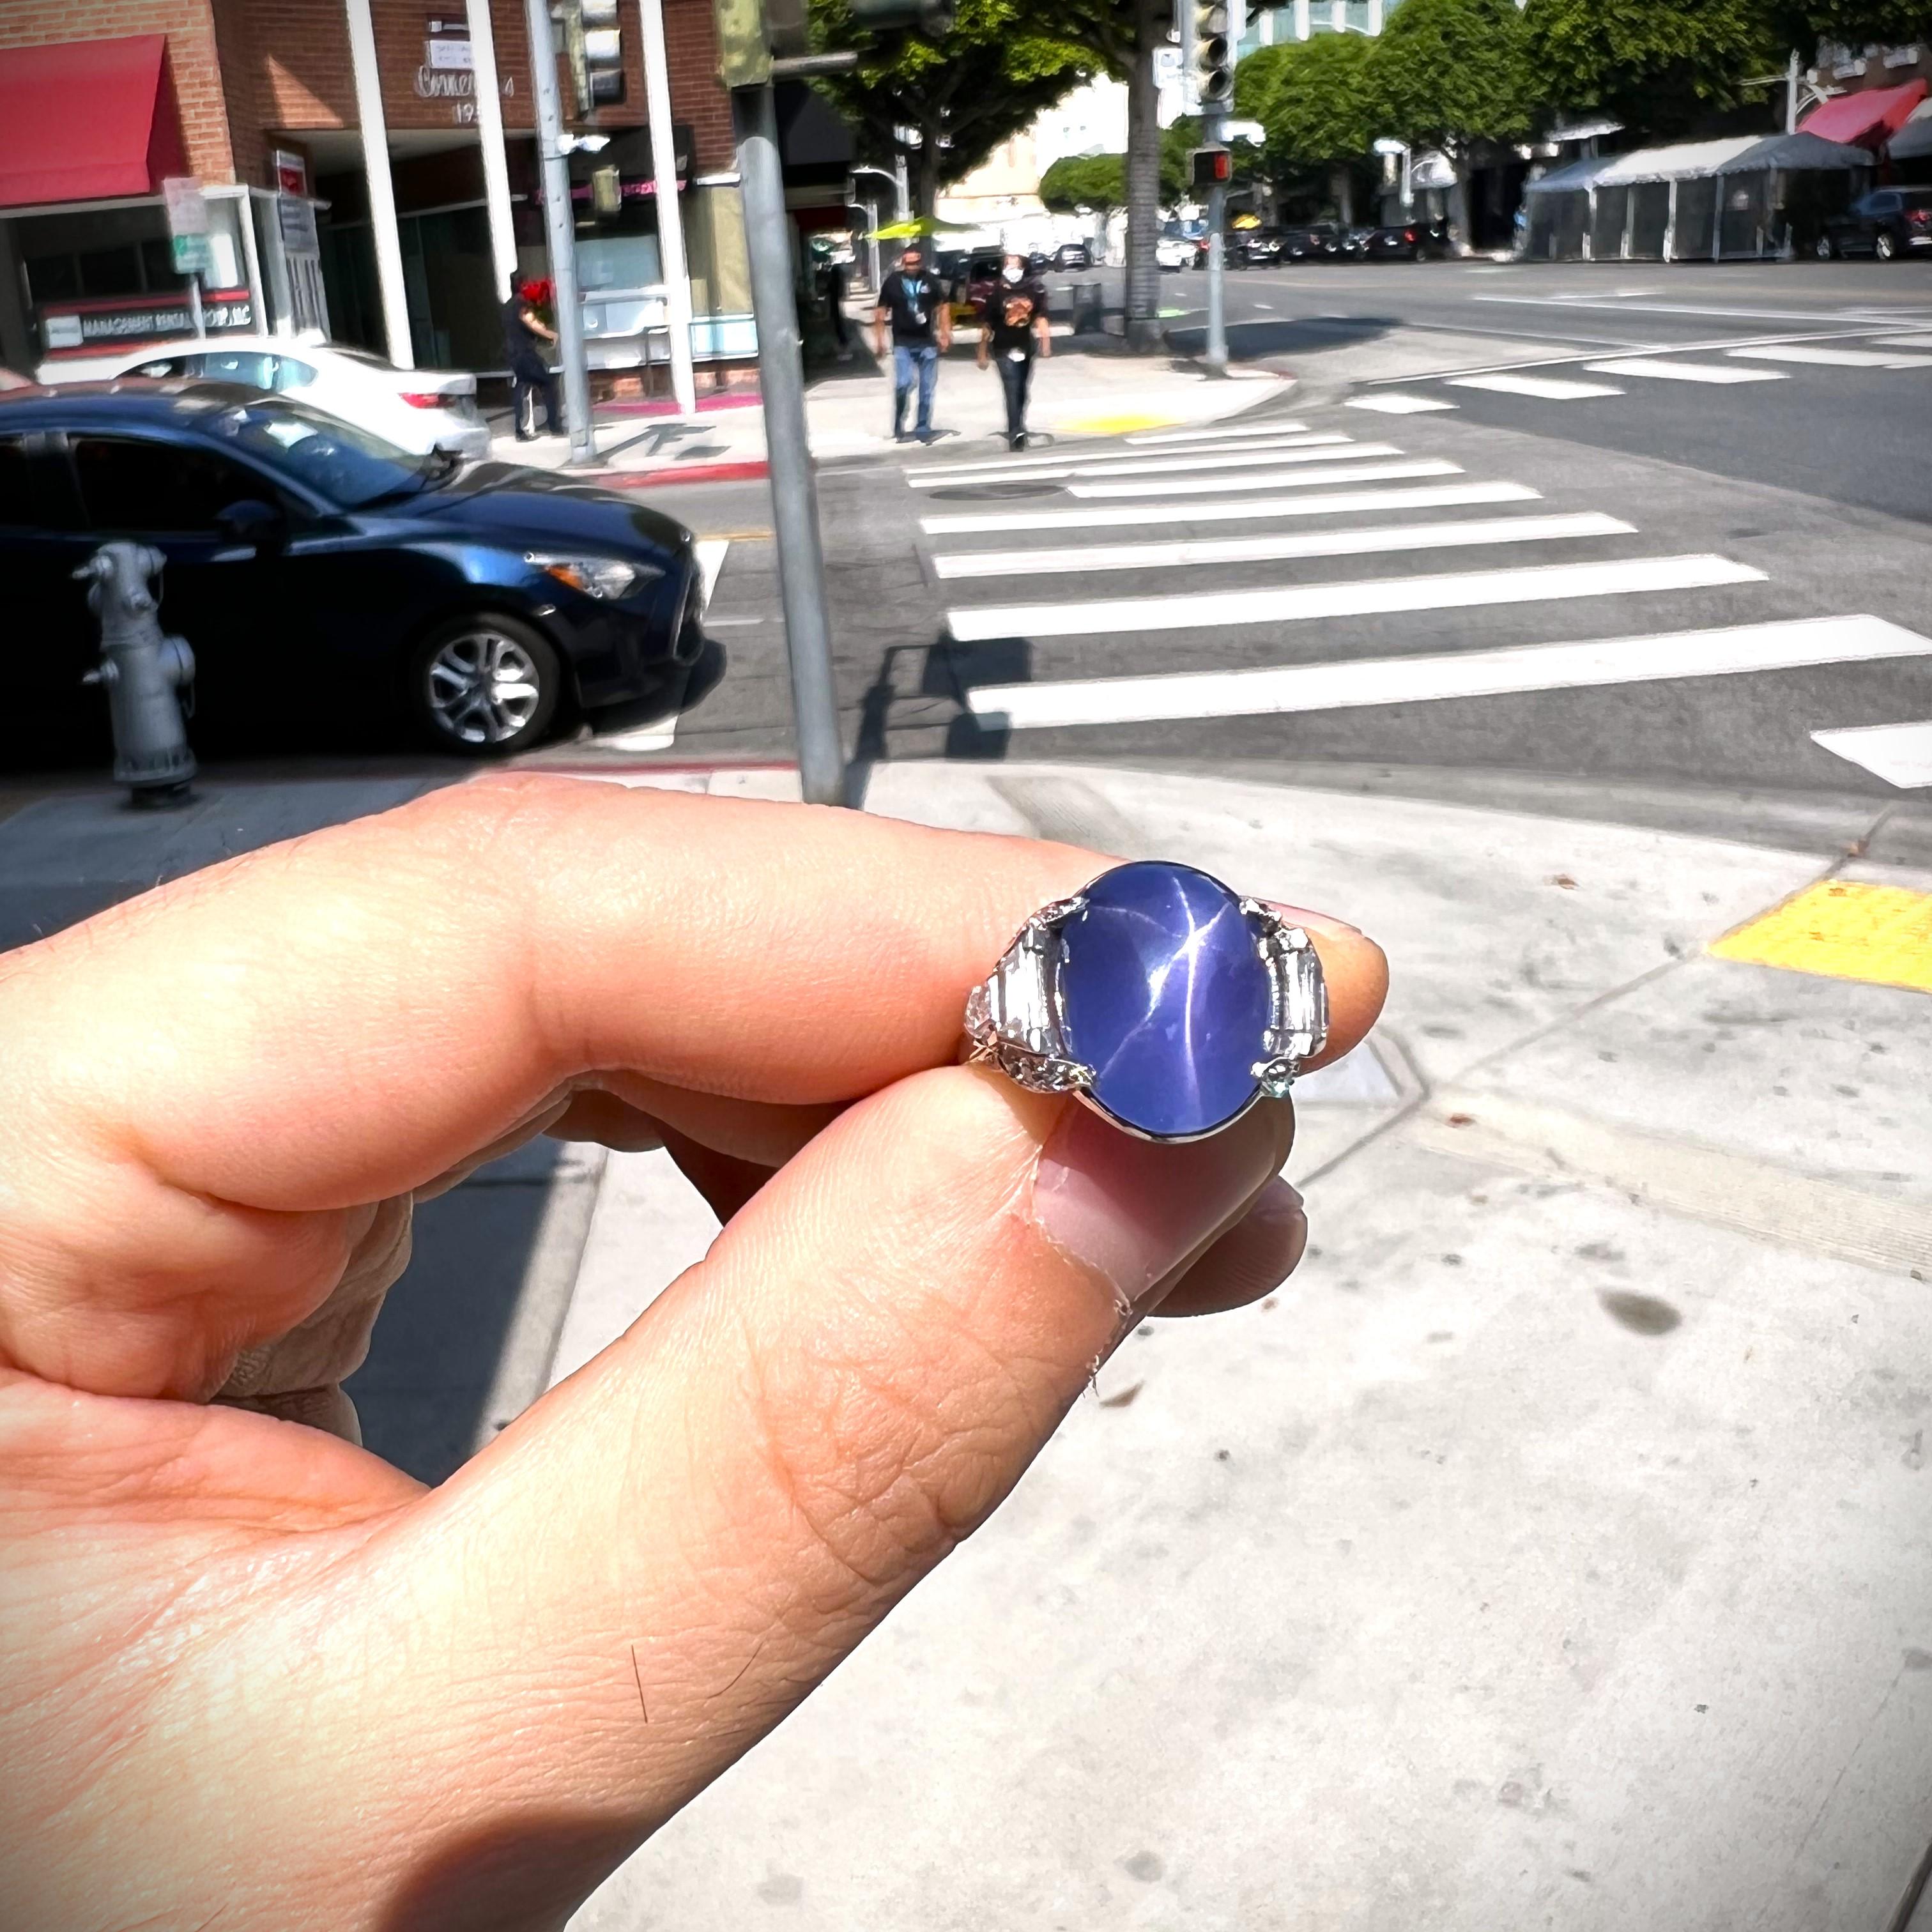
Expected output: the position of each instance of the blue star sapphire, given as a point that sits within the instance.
(1165, 995)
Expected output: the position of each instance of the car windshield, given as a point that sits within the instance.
(348, 465)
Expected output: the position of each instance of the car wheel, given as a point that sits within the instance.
(1825, 251)
(485, 686)
(1883, 247)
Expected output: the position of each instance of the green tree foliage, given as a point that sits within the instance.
(1448, 73)
(997, 68)
(1091, 184)
(1316, 101)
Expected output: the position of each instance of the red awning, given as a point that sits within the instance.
(87, 120)
(1867, 119)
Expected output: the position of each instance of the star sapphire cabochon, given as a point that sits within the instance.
(1157, 996)
(1165, 994)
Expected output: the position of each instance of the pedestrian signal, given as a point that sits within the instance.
(1213, 56)
(1210, 167)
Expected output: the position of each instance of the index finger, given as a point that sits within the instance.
(346, 1016)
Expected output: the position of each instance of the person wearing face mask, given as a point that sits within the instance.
(1014, 328)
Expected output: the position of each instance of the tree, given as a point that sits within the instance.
(946, 107)
(1661, 67)
(1085, 184)
(1316, 103)
(1451, 74)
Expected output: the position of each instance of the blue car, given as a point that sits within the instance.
(324, 576)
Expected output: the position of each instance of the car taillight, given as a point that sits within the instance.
(1918, 217)
(425, 399)
(1408, 234)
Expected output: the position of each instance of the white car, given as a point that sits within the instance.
(417, 409)
(1173, 251)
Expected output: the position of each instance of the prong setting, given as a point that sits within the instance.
(1014, 1018)
(1298, 1027)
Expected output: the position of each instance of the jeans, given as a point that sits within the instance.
(527, 382)
(925, 357)
(1015, 378)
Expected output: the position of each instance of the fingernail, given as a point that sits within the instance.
(1135, 1210)
(1308, 916)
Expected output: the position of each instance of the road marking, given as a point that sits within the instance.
(1549, 388)
(1901, 754)
(1906, 341)
(1068, 463)
(1266, 549)
(1432, 496)
(1845, 929)
(1329, 449)
(1838, 358)
(1275, 479)
(709, 552)
(1682, 372)
(1811, 315)
(1398, 405)
(1214, 432)
(1454, 591)
(1410, 680)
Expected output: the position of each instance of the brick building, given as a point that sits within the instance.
(267, 104)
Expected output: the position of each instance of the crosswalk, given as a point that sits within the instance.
(1230, 603)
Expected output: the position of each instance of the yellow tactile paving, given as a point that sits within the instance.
(1846, 928)
(1118, 425)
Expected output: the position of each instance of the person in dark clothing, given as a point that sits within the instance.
(832, 286)
(922, 321)
(530, 375)
(1013, 327)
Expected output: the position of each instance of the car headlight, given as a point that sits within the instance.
(608, 577)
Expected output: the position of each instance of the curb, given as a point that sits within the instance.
(749, 472)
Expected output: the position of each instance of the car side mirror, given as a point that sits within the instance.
(259, 525)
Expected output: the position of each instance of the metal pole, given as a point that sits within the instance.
(821, 759)
(382, 194)
(676, 271)
(1791, 94)
(563, 225)
(486, 95)
(1213, 134)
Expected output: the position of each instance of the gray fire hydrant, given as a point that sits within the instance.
(149, 678)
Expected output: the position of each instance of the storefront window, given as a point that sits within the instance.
(618, 262)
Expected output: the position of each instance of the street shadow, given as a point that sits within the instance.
(936, 700)
(1252, 341)
(422, 1393)
(675, 699)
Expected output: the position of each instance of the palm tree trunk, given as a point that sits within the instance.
(925, 179)
(1143, 278)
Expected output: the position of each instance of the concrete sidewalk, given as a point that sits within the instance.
(1552, 1549)
(1080, 390)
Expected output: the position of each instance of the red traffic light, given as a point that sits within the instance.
(1210, 167)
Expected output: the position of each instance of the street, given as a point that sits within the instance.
(1475, 458)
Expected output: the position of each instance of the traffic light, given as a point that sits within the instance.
(593, 42)
(1213, 56)
(1210, 167)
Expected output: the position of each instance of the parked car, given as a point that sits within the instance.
(1887, 222)
(417, 410)
(1173, 251)
(1256, 248)
(321, 573)
(1318, 241)
(1408, 240)
(1355, 244)
(973, 280)
(1073, 255)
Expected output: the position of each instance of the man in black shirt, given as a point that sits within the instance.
(922, 321)
(1012, 324)
(524, 328)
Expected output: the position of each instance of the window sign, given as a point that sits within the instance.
(291, 172)
(446, 46)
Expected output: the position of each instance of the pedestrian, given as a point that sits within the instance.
(831, 285)
(530, 375)
(1013, 327)
(921, 320)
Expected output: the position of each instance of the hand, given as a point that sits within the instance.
(983, 358)
(251, 1676)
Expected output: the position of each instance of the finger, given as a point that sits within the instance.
(703, 1520)
(1251, 1259)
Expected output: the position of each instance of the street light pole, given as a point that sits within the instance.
(794, 490)
(1214, 131)
(558, 219)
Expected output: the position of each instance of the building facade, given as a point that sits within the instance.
(343, 151)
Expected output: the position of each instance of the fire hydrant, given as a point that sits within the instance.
(149, 678)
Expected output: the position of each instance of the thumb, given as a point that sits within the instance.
(647, 1571)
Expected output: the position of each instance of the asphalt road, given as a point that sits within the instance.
(1737, 512)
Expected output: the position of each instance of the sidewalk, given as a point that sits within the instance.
(1553, 1549)
(1083, 388)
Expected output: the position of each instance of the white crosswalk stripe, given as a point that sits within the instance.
(1831, 358)
(1214, 432)
(1717, 374)
(1057, 462)
(1141, 516)
(1209, 610)
(1274, 479)
(1547, 389)
(1901, 754)
(1371, 542)
(1327, 449)
(1399, 405)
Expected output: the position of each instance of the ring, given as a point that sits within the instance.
(1161, 999)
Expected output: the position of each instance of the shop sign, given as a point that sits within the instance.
(446, 45)
(73, 327)
(297, 220)
(193, 255)
(291, 172)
